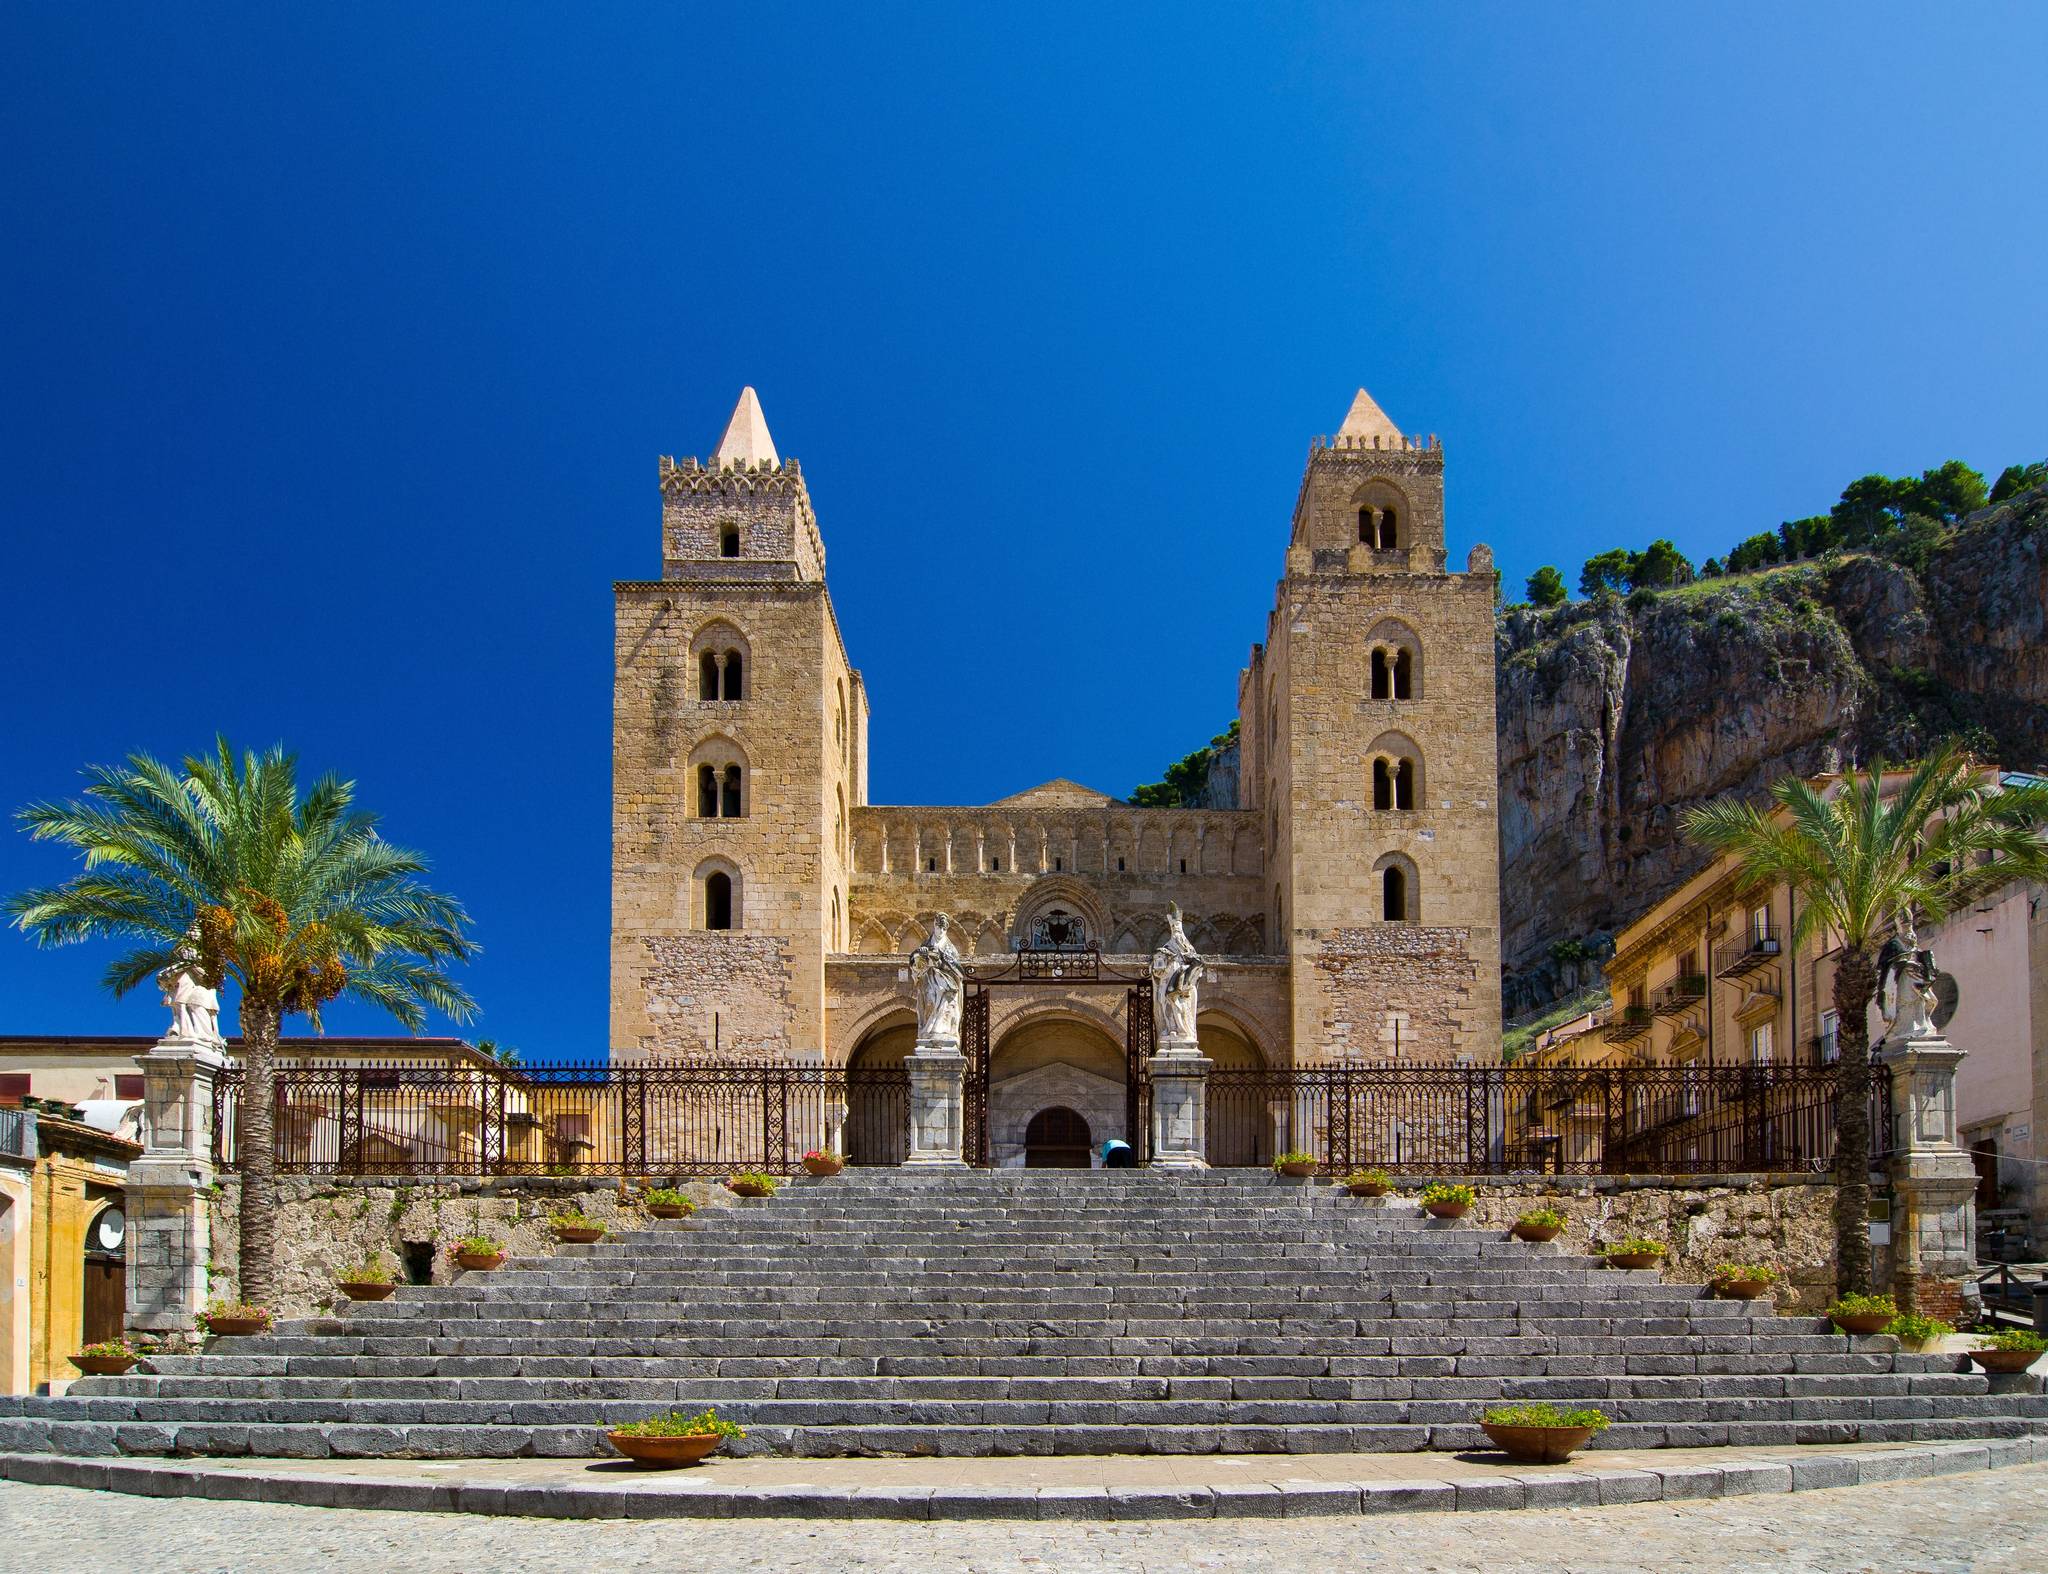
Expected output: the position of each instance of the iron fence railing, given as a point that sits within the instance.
(18, 1133)
(673, 1118)
(1480, 1120)
(714, 1117)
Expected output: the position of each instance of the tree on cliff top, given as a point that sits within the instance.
(223, 868)
(1866, 858)
(1545, 587)
(1186, 777)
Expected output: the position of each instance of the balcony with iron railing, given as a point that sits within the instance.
(1759, 947)
(17, 1133)
(1678, 996)
(1628, 1023)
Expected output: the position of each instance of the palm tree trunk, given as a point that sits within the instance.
(259, 1152)
(1855, 983)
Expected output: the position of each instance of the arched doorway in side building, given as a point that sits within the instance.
(104, 1299)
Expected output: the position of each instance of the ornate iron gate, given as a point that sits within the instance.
(974, 1140)
(1137, 1072)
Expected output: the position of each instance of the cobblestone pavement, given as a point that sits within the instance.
(1989, 1521)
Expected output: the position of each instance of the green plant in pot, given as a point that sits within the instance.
(1446, 1200)
(753, 1183)
(1862, 1314)
(479, 1252)
(1368, 1183)
(576, 1228)
(1743, 1281)
(665, 1441)
(1294, 1162)
(1539, 1224)
(1636, 1252)
(665, 1202)
(1916, 1332)
(1541, 1434)
(108, 1358)
(232, 1319)
(369, 1280)
(2012, 1350)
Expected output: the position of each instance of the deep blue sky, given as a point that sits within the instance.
(338, 352)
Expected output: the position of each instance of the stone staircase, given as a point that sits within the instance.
(1032, 1312)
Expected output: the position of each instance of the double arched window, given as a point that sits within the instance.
(720, 772)
(722, 661)
(1396, 772)
(1393, 673)
(1380, 528)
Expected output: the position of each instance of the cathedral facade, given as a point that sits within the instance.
(1348, 896)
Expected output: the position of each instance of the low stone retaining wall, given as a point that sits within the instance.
(1787, 1221)
(327, 1225)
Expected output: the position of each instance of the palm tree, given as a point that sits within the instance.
(1867, 860)
(224, 868)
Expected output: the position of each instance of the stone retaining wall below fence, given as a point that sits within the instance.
(328, 1225)
(331, 1224)
(1786, 1221)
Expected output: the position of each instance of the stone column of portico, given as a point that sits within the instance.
(168, 1234)
(938, 1073)
(1934, 1183)
(1180, 1106)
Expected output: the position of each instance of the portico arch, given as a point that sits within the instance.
(1057, 1059)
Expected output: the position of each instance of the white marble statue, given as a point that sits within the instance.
(1176, 969)
(935, 972)
(1908, 986)
(195, 1009)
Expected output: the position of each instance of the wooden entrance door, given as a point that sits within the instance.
(1056, 1139)
(106, 1298)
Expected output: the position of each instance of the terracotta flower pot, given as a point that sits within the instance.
(2005, 1360)
(1298, 1171)
(830, 1165)
(104, 1365)
(364, 1289)
(666, 1452)
(1862, 1322)
(576, 1235)
(746, 1188)
(1368, 1189)
(477, 1262)
(1538, 1232)
(667, 1210)
(1634, 1259)
(1538, 1445)
(1447, 1210)
(235, 1327)
(1742, 1289)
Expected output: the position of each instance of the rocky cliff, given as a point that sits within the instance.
(1615, 715)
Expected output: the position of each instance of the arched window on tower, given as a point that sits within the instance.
(1368, 528)
(718, 913)
(734, 675)
(1382, 785)
(1394, 894)
(707, 792)
(1390, 534)
(729, 794)
(1404, 785)
(707, 675)
(1382, 675)
(1404, 672)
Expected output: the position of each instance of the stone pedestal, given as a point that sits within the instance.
(168, 1236)
(1934, 1184)
(938, 1074)
(835, 1126)
(1180, 1107)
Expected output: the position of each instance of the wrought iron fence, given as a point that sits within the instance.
(673, 1118)
(713, 1117)
(1479, 1120)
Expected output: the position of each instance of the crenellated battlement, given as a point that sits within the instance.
(733, 478)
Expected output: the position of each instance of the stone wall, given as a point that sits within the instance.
(1785, 1221)
(327, 1226)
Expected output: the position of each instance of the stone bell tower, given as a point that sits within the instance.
(1370, 710)
(739, 752)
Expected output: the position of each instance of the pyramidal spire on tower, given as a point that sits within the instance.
(745, 440)
(1365, 420)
